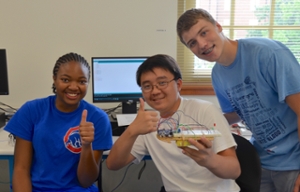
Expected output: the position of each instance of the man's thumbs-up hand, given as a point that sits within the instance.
(86, 129)
(145, 121)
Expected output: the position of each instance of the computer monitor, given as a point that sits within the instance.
(3, 73)
(114, 80)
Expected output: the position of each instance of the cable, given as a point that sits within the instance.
(108, 111)
(122, 178)
(8, 113)
(142, 169)
(1, 103)
(3, 109)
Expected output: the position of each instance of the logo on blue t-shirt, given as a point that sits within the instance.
(72, 140)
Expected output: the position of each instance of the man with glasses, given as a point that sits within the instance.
(205, 165)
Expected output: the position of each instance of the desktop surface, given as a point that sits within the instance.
(6, 144)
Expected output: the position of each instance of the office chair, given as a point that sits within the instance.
(249, 180)
(99, 179)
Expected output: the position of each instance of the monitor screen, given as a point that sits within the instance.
(114, 80)
(3, 73)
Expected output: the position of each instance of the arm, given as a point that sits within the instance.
(294, 104)
(232, 118)
(120, 154)
(223, 164)
(88, 167)
(22, 164)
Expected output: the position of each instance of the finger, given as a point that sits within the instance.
(142, 105)
(193, 142)
(154, 129)
(153, 114)
(189, 152)
(83, 116)
(203, 142)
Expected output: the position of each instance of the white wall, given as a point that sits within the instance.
(35, 33)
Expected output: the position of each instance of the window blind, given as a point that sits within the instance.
(275, 19)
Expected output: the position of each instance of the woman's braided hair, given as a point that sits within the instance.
(68, 58)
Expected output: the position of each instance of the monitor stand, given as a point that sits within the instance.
(129, 107)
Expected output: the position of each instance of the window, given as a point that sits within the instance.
(275, 19)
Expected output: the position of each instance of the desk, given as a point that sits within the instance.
(7, 151)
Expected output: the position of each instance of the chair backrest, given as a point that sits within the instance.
(99, 179)
(249, 180)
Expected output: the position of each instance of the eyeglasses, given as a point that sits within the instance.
(160, 85)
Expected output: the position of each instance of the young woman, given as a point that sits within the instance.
(60, 139)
